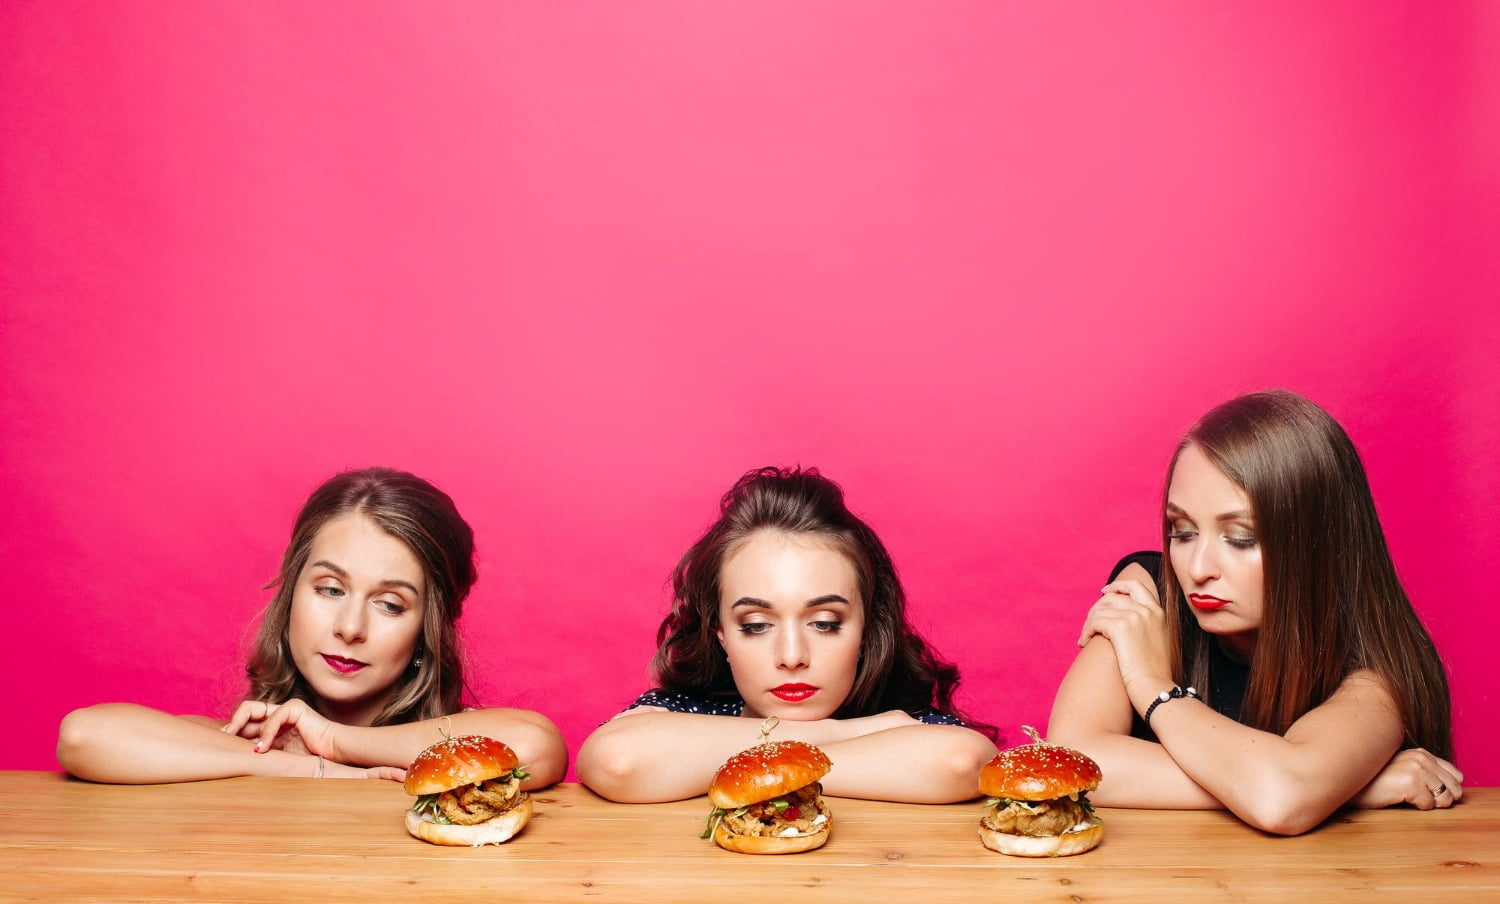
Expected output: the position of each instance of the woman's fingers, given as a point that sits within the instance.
(1439, 780)
(247, 711)
(1136, 591)
(272, 727)
(1450, 775)
(1110, 600)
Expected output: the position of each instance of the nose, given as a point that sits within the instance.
(349, 623)
(1204, 565)
(791, 650)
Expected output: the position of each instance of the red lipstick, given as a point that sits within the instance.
(341, 665)
(1206, 602)
(794, 693)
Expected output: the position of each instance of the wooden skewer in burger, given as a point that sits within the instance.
(768, 800)
(1038, 793)
(468, 792)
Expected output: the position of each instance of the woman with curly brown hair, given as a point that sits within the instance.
(355, 662)
(789, 606)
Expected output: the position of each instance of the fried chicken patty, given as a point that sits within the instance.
(1045, 817)
(469, 805)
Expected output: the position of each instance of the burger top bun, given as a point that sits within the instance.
(764, 772)
(468, 760)
(1039, 771)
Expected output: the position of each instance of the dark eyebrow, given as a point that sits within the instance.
(390, 582)
(823, 600)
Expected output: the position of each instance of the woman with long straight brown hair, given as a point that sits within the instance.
(789, 606)
(356, 665)
(1268, 660)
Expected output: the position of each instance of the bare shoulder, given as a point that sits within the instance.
(206, 721)
(1135, 571)
(1364, 689)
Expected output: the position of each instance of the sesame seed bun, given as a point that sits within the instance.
(495, 831)
(770, 844)
(1064, 845)
(448, 764)
(1039, 771)
(767, 771)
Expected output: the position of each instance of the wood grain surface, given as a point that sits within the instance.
(285, 840)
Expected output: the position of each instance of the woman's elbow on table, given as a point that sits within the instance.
(609, 767)
(547, 751)
(971, 750)
(79, 737)
(1281, 812)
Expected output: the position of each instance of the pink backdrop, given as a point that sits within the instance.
(582, 264)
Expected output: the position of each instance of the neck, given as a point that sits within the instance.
(358, 712)
(1239, 647)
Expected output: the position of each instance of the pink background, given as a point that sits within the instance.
(582, 264)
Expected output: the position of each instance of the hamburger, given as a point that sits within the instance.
(767, 800)
(468, 792)
(1038, 795)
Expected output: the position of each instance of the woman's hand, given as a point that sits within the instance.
(293, 726)
(1413, 777)
(1130, 617)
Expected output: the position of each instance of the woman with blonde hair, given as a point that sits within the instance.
(356, 665)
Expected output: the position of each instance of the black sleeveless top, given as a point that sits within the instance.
(1227, 678)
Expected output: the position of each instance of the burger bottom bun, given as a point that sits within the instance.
(1043, 845)
(769, 844)
(496, 831)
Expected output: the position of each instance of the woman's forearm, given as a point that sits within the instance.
(1137, 773)
(1284, 785)
(537, 742)
(659, 756)
(128, 744)
(922, 764)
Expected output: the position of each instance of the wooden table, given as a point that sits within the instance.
(302, 840)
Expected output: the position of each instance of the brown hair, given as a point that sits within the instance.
(1333, 602)
(897, 669)
(426, 520)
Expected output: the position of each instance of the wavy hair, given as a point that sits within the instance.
(426, 520)
(897, 669)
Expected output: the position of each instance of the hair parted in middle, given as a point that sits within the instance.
(897, 669)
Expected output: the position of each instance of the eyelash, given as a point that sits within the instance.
(1236, 542)
(822, 627)
(389, 607)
